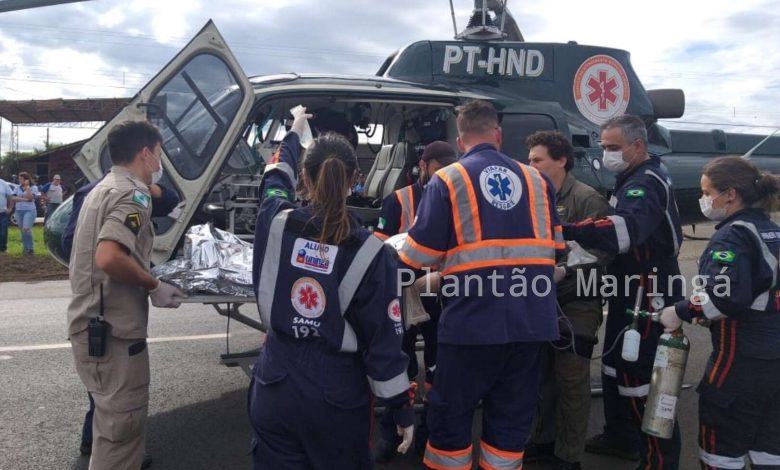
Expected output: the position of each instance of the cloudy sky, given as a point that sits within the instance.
(725, 55)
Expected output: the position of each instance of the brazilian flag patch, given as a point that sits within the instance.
(726, 257)
(274, 192)
(635, 193)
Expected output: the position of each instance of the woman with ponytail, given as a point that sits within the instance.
(738, 298)
(326, 291)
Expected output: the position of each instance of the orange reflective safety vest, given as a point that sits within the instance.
(398, 211)
(489, 224)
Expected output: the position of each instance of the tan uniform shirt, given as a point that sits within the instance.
(117, 209)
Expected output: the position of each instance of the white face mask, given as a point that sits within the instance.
(157, 175)
(613, 161)
(716, 214)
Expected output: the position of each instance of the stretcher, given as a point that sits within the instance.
(229, 306)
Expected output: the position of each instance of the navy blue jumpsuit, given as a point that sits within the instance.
(334, 336)
(645, 236)
(488, 224)
(739, 395)
(398, 211)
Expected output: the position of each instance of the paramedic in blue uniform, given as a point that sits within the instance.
(491, 218)
(398, 211)
(645, 235)
(738, 298)
(326, 291)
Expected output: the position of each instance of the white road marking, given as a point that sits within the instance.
(5, 358)
(163, 339)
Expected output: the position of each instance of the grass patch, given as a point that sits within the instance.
(15, 266)
(15, 241)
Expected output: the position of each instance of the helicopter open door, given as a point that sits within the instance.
(200, 102)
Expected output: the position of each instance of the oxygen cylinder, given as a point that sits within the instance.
(665, 384)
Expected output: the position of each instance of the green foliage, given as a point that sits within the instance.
(15, 241)
(9, 163)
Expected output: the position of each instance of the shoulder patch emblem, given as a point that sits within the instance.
(394, 310)
(141, 199)
(635, 193)
(275, 192)
(381, 224)
(133, 222)
(561, 210)
(726, 257)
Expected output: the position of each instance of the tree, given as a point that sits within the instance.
(10, 162)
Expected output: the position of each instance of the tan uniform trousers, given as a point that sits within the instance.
(119, 383)
(563, 409)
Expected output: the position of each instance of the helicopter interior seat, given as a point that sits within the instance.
(403, 159)
(387, 174)
(379, 172)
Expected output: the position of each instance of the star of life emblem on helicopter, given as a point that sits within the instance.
(501, 187)
(601, 88)
(308, 297)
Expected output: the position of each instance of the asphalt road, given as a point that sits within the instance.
(197, 414)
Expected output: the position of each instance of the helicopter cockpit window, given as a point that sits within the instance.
(193, 110)
(242, 160)
(517, 127)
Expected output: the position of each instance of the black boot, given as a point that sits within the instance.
(539, 452)
(604, 445)
(564, 465)
(384, 451)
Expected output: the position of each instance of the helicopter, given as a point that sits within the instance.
(220, 126)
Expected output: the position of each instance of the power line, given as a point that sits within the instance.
(34, 95)
(94, 85)
(181, 41)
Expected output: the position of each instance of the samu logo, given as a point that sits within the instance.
(501, 187)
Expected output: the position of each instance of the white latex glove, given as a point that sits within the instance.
(407, 434)
(300, 122)
(176, 212)
(166, 295)
(559, 274)
(669, 319)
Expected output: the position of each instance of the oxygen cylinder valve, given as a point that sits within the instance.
(632, 337)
